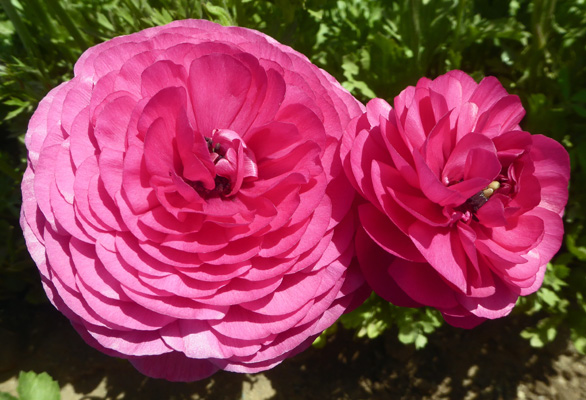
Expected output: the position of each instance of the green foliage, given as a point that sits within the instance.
(32, 386)
(559, 301)
(380, 47)
(376, 315)
(37, 387)
(374, 48)
(547, 301)
(322, 339)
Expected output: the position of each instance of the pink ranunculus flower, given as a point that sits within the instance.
(185, 201)
(462, 209)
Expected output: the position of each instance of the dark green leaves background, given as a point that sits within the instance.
(537, 49)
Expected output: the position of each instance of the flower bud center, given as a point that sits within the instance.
(480, 198)
(234, 162)
(223, 185)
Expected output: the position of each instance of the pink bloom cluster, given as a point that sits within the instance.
(185, 201)
(190, 199)
(462, 208)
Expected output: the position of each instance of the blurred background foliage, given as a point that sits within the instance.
(536, 48)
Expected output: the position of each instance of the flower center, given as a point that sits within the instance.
(234, 164)
(467, 211)
(222, 184)
(480, 198)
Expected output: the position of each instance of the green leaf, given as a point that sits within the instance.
(580, 96)
(573, 247)
(15, 113)
(545, 332)
(420, 342)
(374, 329)
(104, 22)
(6, 396)
(581, 111)
(219, 13)
(548, 296)
(407, 337)
(161, 17)
(16, 102)
(580, 301)
(580, 344)
(6, 28)
(322, 339)
(37, 387)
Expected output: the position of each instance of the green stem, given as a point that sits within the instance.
(62, 15)
(541, 22)
(21, 29)
(416, 36)
(197, 8)
(455, 54)
(459, 19)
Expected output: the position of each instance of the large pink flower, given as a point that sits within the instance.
(462, 208)
(185, 201)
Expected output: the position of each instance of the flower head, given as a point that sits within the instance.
(185, 201)
(462, 208)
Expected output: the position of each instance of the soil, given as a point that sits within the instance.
(489, 362)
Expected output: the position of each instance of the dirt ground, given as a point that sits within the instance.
(489, 362)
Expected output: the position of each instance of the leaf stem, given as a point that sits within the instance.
(62, 15)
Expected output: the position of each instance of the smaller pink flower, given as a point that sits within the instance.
(462, 208)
